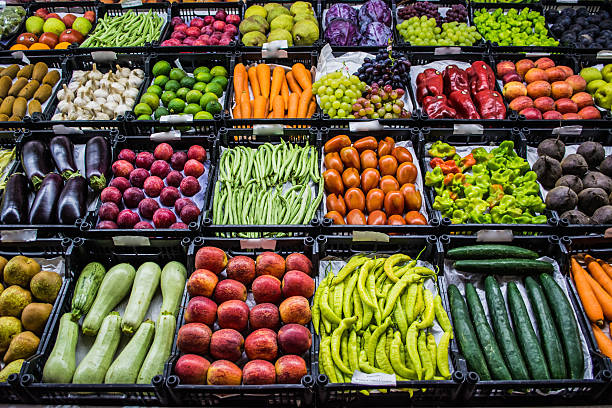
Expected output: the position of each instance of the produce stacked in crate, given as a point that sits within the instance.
(599, 84)
(132, 29)
(217, 317)
(577, 28)
(10, 20)
(218, 29)
(366, 25)
(515, 27)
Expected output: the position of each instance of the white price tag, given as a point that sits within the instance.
(21, 56)
(447, 50)
(537, 54)
(370, 236)
(63, 130)
(274, 49)
(494, 236)
(567, 1)
(269, 244)
(604, 54)
(20, 235)
(574, 130)
(467, 129)
(131, 3)
(365, 126)
(169, 136)
(178, 64)
(268, 129)
(176, 119)
(104, 56)
(2, 4)
(131, 240)
(375, 380)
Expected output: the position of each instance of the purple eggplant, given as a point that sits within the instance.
(97, 162)
(36, 162)
(14, 207)
(43, 210)
(62, 151)
(71, 204)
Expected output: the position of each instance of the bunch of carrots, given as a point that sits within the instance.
(276, 94)
(595, 290)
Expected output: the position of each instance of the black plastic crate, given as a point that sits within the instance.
(284, 395)
(589, 60)
(105, 252)
(143, 143)
(447, 392)
(399, 134)
(231, 138)
(489, 137)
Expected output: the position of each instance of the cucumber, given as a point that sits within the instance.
(115, 285)
(87, 288)
(160, 349)
(503, 331)
(93, 367)
(491, 252)
(61, 363)
(466, 335)
(124, 369)
(563, 315)
(532, 352)
(505, 266)
(173, 278)
(489, 346)
(145, 285)
(553, 350)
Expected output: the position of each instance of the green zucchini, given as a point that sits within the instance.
(124, 369)
(503, 331)
(491, 252)
(93, 367)
(61, 363)
(532, 351)
(488, 344)
(563, 315)
(160, 349)
(145, 285)
(87, 288)
(553, 350)
(172, 282)
(466, 335)
(505, 266)
(115, 285)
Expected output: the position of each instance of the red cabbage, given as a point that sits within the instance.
(340, 10)
(376, 34)
(374, 11)
(341, 32)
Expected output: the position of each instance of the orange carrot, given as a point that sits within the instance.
(604, 299)
(603, 341)
(598, 274)
(302, 76)
(292, 108)
(278, 76)
(278, 107)
(606, 267)
(304, 101)
(239, 83)
(285, 92)
(254, 81)
(587, 297)
(237, 112)
(312, 106)
(260, 107)
(270, 115)
(245, 105)
(263, 75)
(293, 85)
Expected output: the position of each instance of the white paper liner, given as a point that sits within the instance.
(437, 65)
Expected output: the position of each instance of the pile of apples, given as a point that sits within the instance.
(46, 30)
(543, 90)
(219, 29)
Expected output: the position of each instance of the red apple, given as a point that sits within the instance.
(258, 372)
(264, 315)
(535, 74)
(504, 67)
(523, 66)
(290, 369)
(297, 283)
(266, 289)
(589, 112)
(294, 339)
(295, 309)
(211, 258)
(68, 19)
(511, 77)
(552, 115)
(192, 369)
(571, 116)
(194, 338)
(531, 114)
(242, 269)
(544, 63)
(261, 345)
(561, 89)
(223, 372)
(513, 90)
(538, 89)
(520, 103)
(568, 71)
(226, 344)
(544, 104)
(202, 282)
(566, 105)
(298, 262)
(270, 263)
(229, 289)
(577, 83)
(555, 74)
(201, 309)
(582, 99)
(51, 39)
(233, 314)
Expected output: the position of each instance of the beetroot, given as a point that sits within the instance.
(112, 194)
(122, 168)
(189, 213)
(108, 211)
(121, 183)
(169, 195)
(107, 225)
(160, 168)
(127, 154)
(177, 161)
(147, 207)
(179, 225)
(127, 219)
(163, 151)
(182, 202)
(145, 160)
(194, 168)
(163, 218)
(190, 186)
(138, 177)
(174, 178)
(143, 225)
(196, 152)
(153, 186)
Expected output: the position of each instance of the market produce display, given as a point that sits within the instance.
(97, 296)
(264, 299)
(29, 289)
(513, 27)
(380, 315)
(165, 186)
(576, 27)
(484, 185)
(218, 29)
(599, 84)
(368, 25)
(377, 178)
(542, 90)
(296, 23)
(10, 18)
(131, 29)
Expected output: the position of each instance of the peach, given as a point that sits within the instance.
(194, 338)
(226, 344)
(266, 289)
(568, 71)
(261, 345)
(552, 115)
(589, 112)
(296, 283)
(294, 339)
(555, 74)
(504, 67)
(270, 263)
(535, 74)
(242, 269)
(582, 99)
(264, 315)
(544, 63)
(211, 258)
(531, 114)
(566, 105)
(258, 372)
(201, 309)
(223, 372)
(577, 83)
(295, 310)
(561, 89)
(233, 314)
(202, 282)
(191, 369)
(538, 89)
(298, 262)
(520, 103)
(571, 116)
(523, 66)
(544, 104)
(514, 89)
(290, 369)
(229, 289)
(511, 76)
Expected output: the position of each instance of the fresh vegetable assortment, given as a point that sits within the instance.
(218, 29)
(578, 28)
(485, 186)
(379, 315)
(599, 84)
(513, 27)
(131, 29)
(369, 24)
(264, 299)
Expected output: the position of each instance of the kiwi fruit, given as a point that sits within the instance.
(43, 93)
(10, 71)
(19, 107)
(34, 106)
(51, 78)
(29, 90)
(26, 72)
(5, 84)
(6, 108)
(40, 70)
(18, 86)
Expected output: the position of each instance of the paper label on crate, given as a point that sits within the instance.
(573, 130)
(104, 56)
(131, 3)
(375, 380)
(370, 236)
(467, 129)
(270, 129)
(64, 130)
(494, 236)
(366, 126)
(169, 136)
(447, 50)
(604, 54)
(176, 119)
(21, 235)
(269, 244)
(20, 56)
(131, 240)
(274, 49)
(178, 64)
(537, 54)
(567, 1)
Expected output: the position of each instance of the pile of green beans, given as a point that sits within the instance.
(375, 316)
(128, 30)
(249, 190)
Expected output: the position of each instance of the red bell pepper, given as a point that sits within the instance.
(435, 162)
(481, 77)
(463, 104)
(455, 79)
(429, 83)
(490, 104)
(437, 107)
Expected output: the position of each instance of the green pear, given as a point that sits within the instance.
(607, 73)
(275, 12)
(254, 23)
(590, 74)
(255, 10)
(270, 6)
(281, 34)
(593, 86)
(301, 7)
(285, 22)
(603, 96)
(305, 16)
(305, 32)
(253, 39)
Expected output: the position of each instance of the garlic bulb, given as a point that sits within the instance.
(138, 72)
(123, 72)
(121, 109)
(131, 93)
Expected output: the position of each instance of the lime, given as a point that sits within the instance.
(193, 96)
(200, 69)
(182, 93)
(150, 99)
(161, 68)
(176, 105)
(204, 77)
(215, 88)
(221, 81)
(213, 107)
(167, 96)
(161, 111)
(172, 85)
(144, 117)
(199, 86)
(192, 109)
(188, 82)
(142, 109)
(160, 80)
(207, 97)
(203, 115)
(177, 74)
(218, 71)
(155, 89)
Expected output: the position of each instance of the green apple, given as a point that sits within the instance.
(607, 73)
(590, 74)
(603, 96)
(34, 25)
(593, 86)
